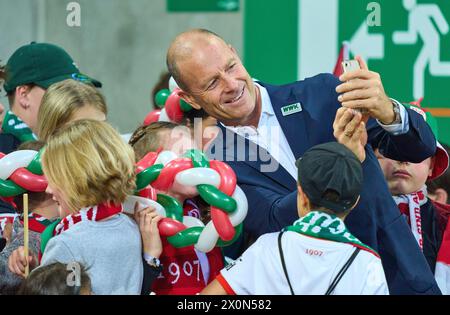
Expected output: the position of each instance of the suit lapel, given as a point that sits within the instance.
(293, 122)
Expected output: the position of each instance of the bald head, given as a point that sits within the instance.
(183, 47)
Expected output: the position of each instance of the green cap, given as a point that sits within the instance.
(42, 64)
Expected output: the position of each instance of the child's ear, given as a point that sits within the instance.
(432, 162)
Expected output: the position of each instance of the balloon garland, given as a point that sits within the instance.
(171, 106)
(215, 182)
(21, 171)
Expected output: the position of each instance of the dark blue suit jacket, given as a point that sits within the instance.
(376, 221)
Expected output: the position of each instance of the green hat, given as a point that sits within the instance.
(42, 64)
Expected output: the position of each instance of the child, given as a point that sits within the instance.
(43, 211)
(201, 268)
(317, 255)
(406, 182)
(90, 172)
(57, 279)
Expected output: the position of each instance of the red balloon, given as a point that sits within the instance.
(28, 180)
(147, 161)
(227, 176)
(148, 192)
(170, 170)
(222, 224)
(173, 108)
(169, 227)
(152, 117)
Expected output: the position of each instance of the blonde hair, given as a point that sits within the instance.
(90, 163)
(60, 103)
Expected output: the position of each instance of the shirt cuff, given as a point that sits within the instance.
(401, 128)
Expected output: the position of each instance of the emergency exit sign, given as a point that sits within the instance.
(202, 5)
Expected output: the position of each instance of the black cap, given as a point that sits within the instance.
(330, 166)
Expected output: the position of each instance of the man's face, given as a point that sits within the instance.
(218, 82)
(405, 177)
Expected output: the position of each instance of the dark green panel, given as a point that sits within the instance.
(202, 5)
(270, 40)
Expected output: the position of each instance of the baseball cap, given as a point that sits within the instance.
(330, 166)
(42, 64)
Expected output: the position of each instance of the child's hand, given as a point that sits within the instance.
(148, 219)
(17, 262)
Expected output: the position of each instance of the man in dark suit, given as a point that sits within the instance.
(265, 128)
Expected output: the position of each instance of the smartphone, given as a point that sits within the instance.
(349, 66)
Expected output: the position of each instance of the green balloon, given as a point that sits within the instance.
(185, 107)
(161, 97)
(216, 198)
(35, 166)
(186, 237)
(222, 243)
(10, 189)
(48, 234)
(198, 158)
(173, 208)
(144, 178)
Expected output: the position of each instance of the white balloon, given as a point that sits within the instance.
(207, 239)
(239, 215)
(173, 84)
(128, 205)
(197, 176)
(15, 160)
(163, 116)
(165, 157)
(192, 222)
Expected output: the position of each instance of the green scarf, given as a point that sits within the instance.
(15, 126)
(325, 226)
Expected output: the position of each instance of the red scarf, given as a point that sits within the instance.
(184, 270)
(96, 213)
(409, 206)
(36, 222)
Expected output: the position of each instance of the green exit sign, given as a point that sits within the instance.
(202, 5)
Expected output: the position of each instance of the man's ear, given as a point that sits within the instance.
(21, 96)
(189, 99)
(441, 195)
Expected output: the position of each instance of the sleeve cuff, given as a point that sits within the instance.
(225, 284)
(401, 128)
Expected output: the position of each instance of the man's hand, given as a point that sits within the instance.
(350, 130)
(363, 89)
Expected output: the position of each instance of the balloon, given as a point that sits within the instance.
(10, 189)
(163, 116)
(28, 180)
(186, 237)
(214, 181)
(148, 192)
(15, 160)
(168, 173)
(169, 227)
(165, 157)
(173, 208)
(173, 84)
(185, 107)
(35, 166)
(161, 97)
(227, 176)
(216, 198)
(172, 107)
(147, 161)
(222, 224)
(152, 117)
(147, 176)
(197, 176)
(128, 205)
